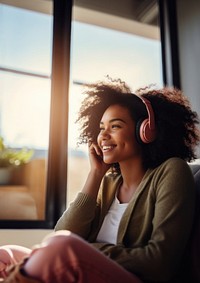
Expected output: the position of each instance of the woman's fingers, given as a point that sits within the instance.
(97, 149)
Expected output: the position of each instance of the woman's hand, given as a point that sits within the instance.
(97, 171)
(96, 159)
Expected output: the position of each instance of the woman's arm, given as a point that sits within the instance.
(80, 214)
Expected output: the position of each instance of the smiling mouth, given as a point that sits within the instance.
(106, 148)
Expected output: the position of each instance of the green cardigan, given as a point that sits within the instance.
(155, 227)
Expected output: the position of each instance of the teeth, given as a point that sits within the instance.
(106, 147)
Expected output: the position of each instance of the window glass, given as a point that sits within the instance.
(25, 95)
(25, 110)
(25, 38)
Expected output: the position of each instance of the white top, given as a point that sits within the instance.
(109, 228)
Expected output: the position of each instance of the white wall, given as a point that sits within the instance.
(189, 41)
(189, 51)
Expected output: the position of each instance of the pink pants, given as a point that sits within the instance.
(65, 257)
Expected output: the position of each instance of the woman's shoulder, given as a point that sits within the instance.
(174, 170)
(175, 163)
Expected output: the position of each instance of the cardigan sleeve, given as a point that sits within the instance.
(85, 213)
(159, 258)
(79, 216)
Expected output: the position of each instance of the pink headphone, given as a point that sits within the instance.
(145, 129)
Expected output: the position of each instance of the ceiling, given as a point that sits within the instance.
(145, 11)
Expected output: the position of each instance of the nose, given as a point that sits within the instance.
(104, 134)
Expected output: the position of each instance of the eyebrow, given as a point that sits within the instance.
(114, 120)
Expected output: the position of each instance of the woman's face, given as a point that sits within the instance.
(117, 135)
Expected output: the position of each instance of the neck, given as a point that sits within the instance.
(132, 174)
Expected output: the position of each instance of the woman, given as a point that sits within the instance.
(132, 220)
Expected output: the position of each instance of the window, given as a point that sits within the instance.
(25, 64)
(25, 98)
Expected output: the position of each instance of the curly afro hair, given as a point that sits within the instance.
(176, 123)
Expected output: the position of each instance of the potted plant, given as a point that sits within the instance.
(11, 158)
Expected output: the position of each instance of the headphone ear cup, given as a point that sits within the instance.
(143, 132)
(145, 128)
(137, 130)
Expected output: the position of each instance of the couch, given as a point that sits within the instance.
(195, 236)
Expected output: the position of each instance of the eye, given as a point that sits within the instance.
(115, 126)
(101, 129)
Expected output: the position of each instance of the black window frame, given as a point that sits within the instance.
(169, 42)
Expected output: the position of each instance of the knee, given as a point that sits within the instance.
(5, 261)
(61, 240)
(6, 256)
(57, 248)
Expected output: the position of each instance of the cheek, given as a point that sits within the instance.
(130, 141)
(128, 137)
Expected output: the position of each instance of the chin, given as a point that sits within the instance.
(109, 161)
